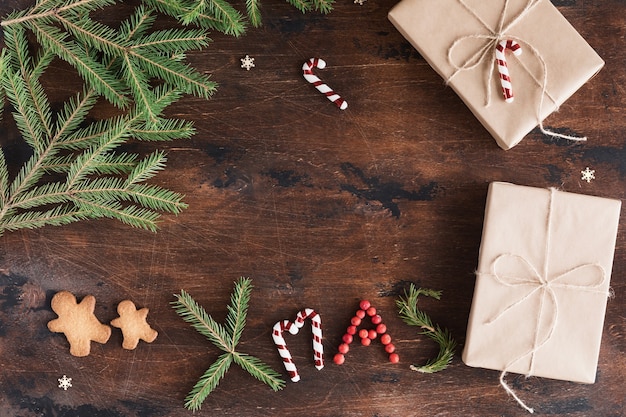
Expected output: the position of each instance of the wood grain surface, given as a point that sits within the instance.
(320, 208)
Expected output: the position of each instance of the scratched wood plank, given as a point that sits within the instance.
(321, 208)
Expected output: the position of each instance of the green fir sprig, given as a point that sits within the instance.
(77, 170)
(225, 337)
(412, 316)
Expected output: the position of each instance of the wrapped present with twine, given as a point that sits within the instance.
(542, 283)
(513, 62)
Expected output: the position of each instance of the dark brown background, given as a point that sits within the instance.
(321, 208)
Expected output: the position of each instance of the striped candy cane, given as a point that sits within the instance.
(316, 329)
(307, 70)
(294, 328)
(505, 78)
(281, 345)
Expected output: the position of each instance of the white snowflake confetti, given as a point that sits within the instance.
(247, 62)
(588, 175)
(359, 2)
(65, 382)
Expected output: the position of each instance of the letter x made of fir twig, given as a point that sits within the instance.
(225, 337)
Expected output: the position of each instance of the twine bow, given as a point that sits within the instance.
(487, 53)
(524, 274)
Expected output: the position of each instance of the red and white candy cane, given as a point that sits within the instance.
(294, 328)
(307, 70)
(316, 329)
(281, 345)
(505, 78)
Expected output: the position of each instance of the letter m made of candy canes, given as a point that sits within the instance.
(293, 328)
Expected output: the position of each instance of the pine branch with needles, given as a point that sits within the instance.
(77, 170)
(226, 338)
(413, 316)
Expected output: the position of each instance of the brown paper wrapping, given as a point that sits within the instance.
(525, 230)
(433, 26)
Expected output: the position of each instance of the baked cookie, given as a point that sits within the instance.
(133, 324)
(77, 322)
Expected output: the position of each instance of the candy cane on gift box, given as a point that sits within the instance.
(307, 70)
(503, 69)
(294, 328)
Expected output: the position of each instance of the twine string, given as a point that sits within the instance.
(544, 284)
(487, 51)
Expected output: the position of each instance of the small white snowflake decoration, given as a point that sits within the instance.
(588, 175)
(247, 62)
(65, 382)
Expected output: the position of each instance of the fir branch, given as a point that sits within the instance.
(4, 180)
(302, 5)
(412, 316)
(17, 43)
(163, 130)
(260, 370)
(254, 12)
(175, 73)
(58, 216)
(174, 8)
(72, 116)
(238, 310)
(172, 41)
(194, 314)
(225, 338)
(96, 75)
(208, 382)
(324, 6)
(52, 8)
(130, 215)
(134, 66)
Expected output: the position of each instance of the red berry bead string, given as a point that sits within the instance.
(366, 336)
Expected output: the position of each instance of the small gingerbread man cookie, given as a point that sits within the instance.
(133, 324)
(77, 322)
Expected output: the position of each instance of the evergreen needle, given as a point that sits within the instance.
(226, 339)
(412, 316)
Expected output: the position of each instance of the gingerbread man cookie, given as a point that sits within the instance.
(133, 324)
(77, 322)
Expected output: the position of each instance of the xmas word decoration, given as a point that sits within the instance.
(227, 336)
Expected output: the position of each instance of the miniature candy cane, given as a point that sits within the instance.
(505, 79)
(316, 329)
(307, 70)
(279, 341)
(294, 328)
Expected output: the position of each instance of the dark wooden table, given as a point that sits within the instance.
(320, 208)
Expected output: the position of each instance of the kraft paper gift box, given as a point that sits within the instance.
(542, 282)
(458, 38)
